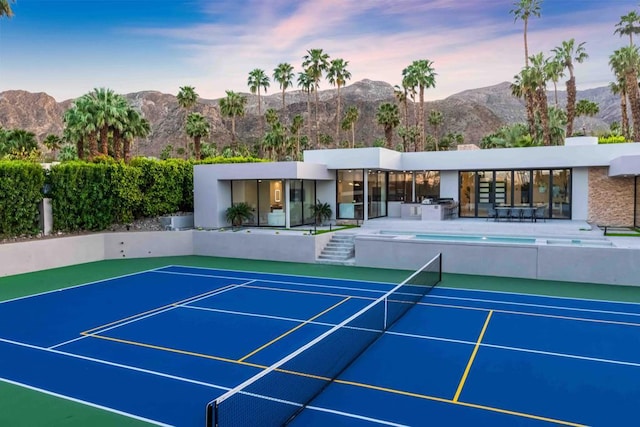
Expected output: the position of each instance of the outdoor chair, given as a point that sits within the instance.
(491, 213)
(515, 213)
(503, 213)
(528, 214)
(539, 213)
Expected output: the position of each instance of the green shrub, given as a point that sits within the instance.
(612, 139)
(21, 185)
(161, 183)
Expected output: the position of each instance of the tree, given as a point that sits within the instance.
(233, 106)
(435, 120)
(410, 134)
(538, 78)
(619, 87)
(283, 74)
(523, 10)
(321, 211)
(557, 123)
(258, 79)
(137, 127)
(80, 127)
(628, 26)
(554, 71)
(522, 87)
(587, 108)
(566, 54)
(296, 126)
(187, 99)
(53, 143)
(109, 109)
(315, 63)
(421, 74)
(628, 59)
(337, 75)
(349, 122)
(388, 117)
(197, 127)
(5, 8)
(305, 83)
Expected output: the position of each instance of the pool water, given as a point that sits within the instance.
(470, 238)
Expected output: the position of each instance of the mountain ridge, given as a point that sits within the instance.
(473, 112)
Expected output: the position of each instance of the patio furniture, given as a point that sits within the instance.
(539, 213)
(502, 213)
(528, 214)
(515, 213)
(491, 213)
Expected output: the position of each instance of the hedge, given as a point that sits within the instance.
(21, 185)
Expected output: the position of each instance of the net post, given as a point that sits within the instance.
(209, 416)
(440, 267)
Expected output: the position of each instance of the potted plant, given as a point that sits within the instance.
(321, 211)
(238, 213)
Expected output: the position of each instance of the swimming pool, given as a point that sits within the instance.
(481, 239)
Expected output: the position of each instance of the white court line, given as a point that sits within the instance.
(99, 331)
(79, 286)
(358, 417)
(374, 291)
(522, 304)
(393, 284)
(115, 364)
(84, 402)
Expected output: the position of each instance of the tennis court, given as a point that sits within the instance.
(160, 345)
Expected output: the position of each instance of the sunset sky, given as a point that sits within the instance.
(68, 47)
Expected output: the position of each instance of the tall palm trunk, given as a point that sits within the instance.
(543, 110)
(80, 148)
(422, 120)
(631, 80)
(338, 118)
(117, 140)
(555, 93)
(530, 109)
(353, 134)
(309, 116)
(93, 145)
(284, 113)
(260, 112)
(571, 103)
(526, 46)
(317, 121)
(233, 133)
(104, 140)
(126, 150)
(625, 115)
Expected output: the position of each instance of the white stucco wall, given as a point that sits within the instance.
(449, 184)
(580, 194)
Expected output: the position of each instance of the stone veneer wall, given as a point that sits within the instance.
(610, 199)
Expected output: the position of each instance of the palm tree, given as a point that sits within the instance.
(628, 58)
(566, 54)
(197, 127)
(305, 83)
(388, 117)
(258, 79)
(80, 126)
(295, 128)
(619, 88)
(522, 88)
(5, 8)
(315, 63)
(629, 25)
(421, 74)
(524, 9)
(137, 127)
(539, 79)
(187, 99)
(349, 122)
(233, 106)
(435, 120)
(555, 71)
(283, 74)
(557, 124)
(337, 75)
(53, 143)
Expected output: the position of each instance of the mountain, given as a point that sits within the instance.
(473, 113)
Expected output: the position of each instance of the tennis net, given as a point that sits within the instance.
(277, 394)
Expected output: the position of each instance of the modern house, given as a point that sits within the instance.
(580, 180)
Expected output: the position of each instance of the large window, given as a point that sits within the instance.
(351, 194)
(377, 194)
(266, 198)
(302, 197)
(427, 185)
(400, 187)
(551, 188)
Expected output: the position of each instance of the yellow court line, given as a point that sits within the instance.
(471, 359)
(242, 359)
(175, 350)
(173, 304)
(350, 383)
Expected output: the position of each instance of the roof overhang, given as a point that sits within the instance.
(628, 165)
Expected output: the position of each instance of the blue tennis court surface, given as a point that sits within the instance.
(159, 345)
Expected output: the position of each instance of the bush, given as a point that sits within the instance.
(21, 185)
(612, 139)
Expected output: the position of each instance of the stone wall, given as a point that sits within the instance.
(610, 199)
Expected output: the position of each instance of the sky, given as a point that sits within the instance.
(67, 48)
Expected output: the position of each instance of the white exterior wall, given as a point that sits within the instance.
(580, 194)
(326, 193)
(449, 186)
